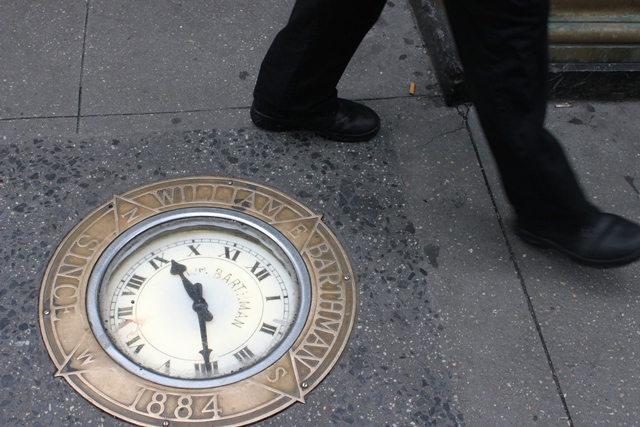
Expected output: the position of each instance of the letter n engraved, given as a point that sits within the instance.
(131, 215)
(130, 211)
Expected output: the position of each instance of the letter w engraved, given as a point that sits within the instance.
(86, 358)
(165, 196)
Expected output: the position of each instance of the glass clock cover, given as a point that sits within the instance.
(198, 297)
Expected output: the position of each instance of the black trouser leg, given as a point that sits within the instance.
(503, 48)
(301, 69)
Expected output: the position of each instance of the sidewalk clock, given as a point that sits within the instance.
(197, 302)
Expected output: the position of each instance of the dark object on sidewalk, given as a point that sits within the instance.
(352, 122)
(608, 241)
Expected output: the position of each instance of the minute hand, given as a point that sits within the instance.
(200, 305)
(202, 320)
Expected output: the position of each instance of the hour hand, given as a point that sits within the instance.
(200, 306)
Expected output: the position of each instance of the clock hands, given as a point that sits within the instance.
(200, 306)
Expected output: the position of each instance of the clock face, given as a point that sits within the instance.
(195, 299)
(198, 301)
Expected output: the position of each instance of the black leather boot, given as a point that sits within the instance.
(605, 240)
(351, 122)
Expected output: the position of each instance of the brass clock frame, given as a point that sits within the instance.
(82, 362)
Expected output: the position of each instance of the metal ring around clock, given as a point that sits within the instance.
(168, 221)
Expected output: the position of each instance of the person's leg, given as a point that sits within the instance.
(301, 69)
(503, 49)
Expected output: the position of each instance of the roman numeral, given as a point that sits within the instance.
(206, 369)
(194, 250)
(260, 275)
(231, 254)
(133, 285)
(244, 355)
(158, 259)
(268, 329)
(125, 312)
(166, 367)
(276, 298)
(133, 346)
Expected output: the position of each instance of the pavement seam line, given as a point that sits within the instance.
(84, 47)
(79, 116)
(512, 256)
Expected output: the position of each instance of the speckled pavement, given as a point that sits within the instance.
(459, 323)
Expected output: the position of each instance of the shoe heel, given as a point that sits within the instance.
(532, 239)
(268, 123)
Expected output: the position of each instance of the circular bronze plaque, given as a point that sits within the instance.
(197, 301)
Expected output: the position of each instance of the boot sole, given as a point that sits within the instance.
(541, 242)
(280, 125)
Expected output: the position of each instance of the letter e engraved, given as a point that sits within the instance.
(65, 300)
(279, 373)
(298, 230)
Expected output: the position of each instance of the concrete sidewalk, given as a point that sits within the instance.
(459, 323)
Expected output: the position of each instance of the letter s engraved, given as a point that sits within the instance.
(279, 373)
